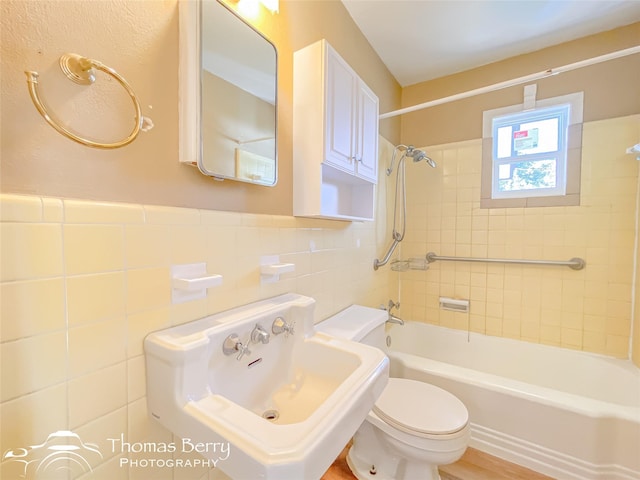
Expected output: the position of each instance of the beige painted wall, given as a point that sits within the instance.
(140, 41)
(611, 88)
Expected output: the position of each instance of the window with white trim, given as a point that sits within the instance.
(530, 153)
(530, 156)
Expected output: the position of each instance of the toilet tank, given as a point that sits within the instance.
(359, 324)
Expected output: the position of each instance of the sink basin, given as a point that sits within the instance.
(283, 411)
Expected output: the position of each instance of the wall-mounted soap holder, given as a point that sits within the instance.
(190, 282)
(454, 304)
(271, 268)
(414, 263)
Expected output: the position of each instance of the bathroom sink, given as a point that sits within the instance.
(290, 393)
(264, 405)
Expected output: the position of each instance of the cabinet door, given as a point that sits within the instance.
(367, 134)
(341, 114)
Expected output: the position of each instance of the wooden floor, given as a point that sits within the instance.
(474, 465)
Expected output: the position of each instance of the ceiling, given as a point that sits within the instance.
(419, 40)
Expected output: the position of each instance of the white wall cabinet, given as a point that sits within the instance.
(335, 137)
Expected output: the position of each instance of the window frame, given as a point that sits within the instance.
(573, 142)
(560, 112)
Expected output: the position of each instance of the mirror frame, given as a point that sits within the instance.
(190, 89)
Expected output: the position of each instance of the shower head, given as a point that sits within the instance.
(409, 151)
(418, 155)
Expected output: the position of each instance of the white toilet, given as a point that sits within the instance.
(413, 427)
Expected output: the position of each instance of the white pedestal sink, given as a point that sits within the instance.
(285, 410)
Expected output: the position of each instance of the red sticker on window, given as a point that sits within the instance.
(521, 134)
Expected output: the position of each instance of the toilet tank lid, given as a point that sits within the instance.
(353, 323)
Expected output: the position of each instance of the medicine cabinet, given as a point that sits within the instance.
(335, 137)
(228, 88)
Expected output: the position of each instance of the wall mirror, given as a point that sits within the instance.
(228, 95)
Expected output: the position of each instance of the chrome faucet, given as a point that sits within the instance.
(392, 318)
(232, 344)
(280, 325)
(259, 335)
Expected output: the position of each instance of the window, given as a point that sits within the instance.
(529, 162)
(529, 155)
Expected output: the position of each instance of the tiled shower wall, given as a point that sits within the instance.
(82, 284)
(588, 309)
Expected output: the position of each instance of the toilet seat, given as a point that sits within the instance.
(420, 409)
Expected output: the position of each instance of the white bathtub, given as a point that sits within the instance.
(567, 414)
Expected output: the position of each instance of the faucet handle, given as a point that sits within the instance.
(232, 344)
(280, 325)
(242, 349)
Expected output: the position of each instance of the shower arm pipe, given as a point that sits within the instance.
(516, 81)
(574, 263)
(389, 170)
(379, 263)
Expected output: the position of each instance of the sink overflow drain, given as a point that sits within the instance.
(271, 415)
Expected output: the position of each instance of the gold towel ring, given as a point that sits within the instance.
(80, 70)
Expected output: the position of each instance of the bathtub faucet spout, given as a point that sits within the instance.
(392, 318)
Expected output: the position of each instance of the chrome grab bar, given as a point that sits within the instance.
(574, 263)
(379, 263)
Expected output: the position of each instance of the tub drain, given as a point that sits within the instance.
(271, 415)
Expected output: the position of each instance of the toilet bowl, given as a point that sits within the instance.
(413, 426)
